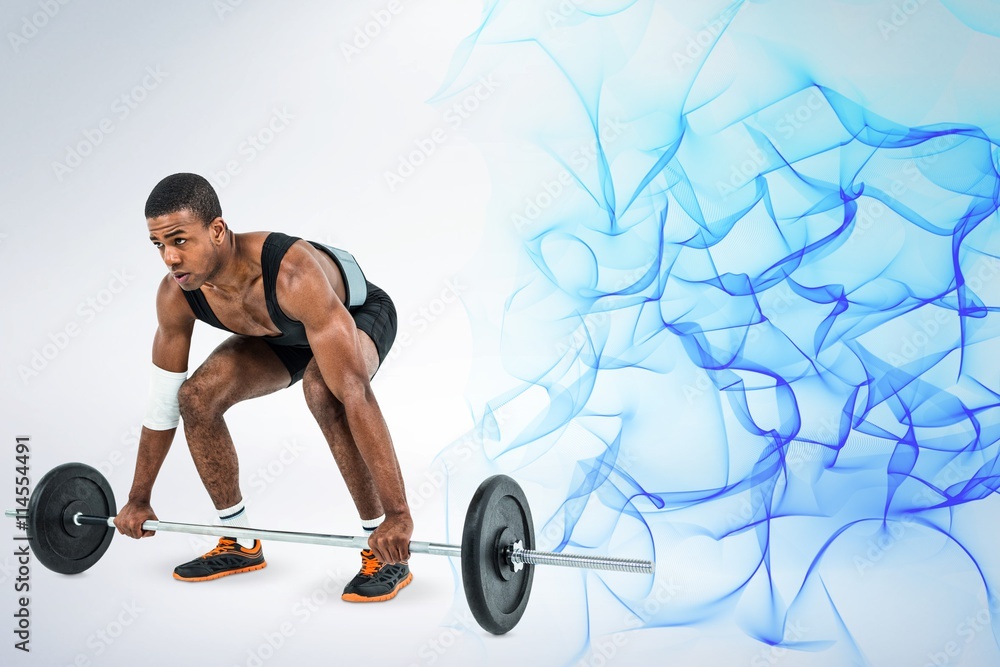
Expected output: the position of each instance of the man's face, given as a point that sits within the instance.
(188, 248)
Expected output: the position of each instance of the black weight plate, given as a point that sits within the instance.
(57, 542)
(498, 516)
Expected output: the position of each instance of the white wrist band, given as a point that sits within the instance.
(162, 410)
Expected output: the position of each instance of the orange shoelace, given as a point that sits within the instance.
(369, 564)
(223, 546)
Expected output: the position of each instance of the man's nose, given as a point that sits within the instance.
(171, 257)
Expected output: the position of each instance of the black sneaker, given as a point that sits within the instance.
(225, 559)
(376, 581)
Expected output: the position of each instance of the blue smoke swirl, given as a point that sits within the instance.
(761, 327)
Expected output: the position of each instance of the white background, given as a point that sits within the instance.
(72, 235)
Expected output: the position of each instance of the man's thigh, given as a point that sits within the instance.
(241, 367)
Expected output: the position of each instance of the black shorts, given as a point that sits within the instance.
(376, 317)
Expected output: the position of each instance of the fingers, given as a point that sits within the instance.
(130, 524)
(124, 529)
(142, 520)
(381, 550)
(124, 526)
(129, 527)
(394, 549)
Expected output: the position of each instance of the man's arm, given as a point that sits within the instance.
(171, 346)
(305, 294)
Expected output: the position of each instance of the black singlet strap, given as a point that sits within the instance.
(275, 246)
(202, 310)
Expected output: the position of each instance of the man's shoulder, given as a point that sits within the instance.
(171, 302)
(307, 273)
(302, 260)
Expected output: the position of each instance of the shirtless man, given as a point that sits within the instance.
(297, 311)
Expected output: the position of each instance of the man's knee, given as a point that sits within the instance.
(198, 401)
(318, 396)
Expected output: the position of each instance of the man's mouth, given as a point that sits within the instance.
(181, 277)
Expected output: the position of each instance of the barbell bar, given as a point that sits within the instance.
(518, 555)
(72, 501)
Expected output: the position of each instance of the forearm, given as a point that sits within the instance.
(153, 448)
(375, 445)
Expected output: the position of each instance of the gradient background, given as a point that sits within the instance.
(714, 281)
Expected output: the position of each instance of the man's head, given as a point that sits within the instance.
(184, 191)
(185, 223)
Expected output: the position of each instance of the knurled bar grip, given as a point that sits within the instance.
(532, 557)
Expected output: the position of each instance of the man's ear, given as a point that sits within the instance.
(217, 230)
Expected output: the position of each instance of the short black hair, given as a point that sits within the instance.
(184, 191)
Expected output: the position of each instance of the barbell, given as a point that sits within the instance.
(70, 522)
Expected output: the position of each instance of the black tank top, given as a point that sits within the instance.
(293, 333)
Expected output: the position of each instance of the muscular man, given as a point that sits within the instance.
(297, 311)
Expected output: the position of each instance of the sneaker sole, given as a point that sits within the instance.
(219, 575)
(354, 597)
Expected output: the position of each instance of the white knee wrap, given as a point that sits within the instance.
(162, 410)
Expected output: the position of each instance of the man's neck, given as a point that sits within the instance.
(235, 273)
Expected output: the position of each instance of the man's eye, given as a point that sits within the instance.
(180, 241)
(157, 245)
